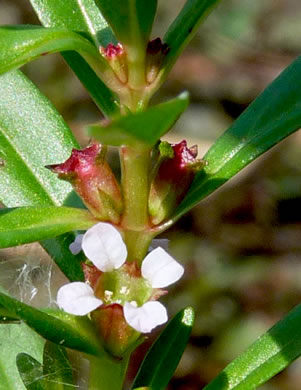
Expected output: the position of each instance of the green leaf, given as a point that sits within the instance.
(33, 135)
(81, 16)
(31, 372)
(74, 15)
(57, 370)
(21, 44)
(183, 29)
(59, 251)
(59, 327)
(143, 127)
(29, 224)
(8, 320)
(131, 20)
(274, 115)
(164, 355)
(103, 97)
(270, 354)
(15, 339)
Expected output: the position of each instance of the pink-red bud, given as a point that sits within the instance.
(94, 181)
(157, 46)
(113, 50)
(173, 178)
(116, 57)
(156, 51)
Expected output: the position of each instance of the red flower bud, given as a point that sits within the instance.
(156, 51)
(93, 180)
(156, 46)
(116, 57)
(177, 166)
(112, 51)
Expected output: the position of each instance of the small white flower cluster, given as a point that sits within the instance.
(104, 247)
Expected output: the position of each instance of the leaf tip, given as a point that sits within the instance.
(188, 316)
(184, 96)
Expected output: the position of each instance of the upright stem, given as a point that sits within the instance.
(136, 66)
(135, 165)
(135, 184)
(106, 373)
(137, 244)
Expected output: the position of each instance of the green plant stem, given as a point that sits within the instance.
(137, 244)
(136, 67)
(106, 373)
(135, 184)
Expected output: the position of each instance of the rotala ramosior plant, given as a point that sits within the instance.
(99, 229)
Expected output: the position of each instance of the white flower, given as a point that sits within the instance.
(160, 269)
(77, 298)
(104, 247)
(146, 317)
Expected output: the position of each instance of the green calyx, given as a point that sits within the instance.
(166, 150)
(123, 285)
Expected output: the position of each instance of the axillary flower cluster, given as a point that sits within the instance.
(121, 292)
(111, 281)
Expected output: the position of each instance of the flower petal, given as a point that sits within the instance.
(103, 245)
(77, 298)
(76, 246)
(146, 317)
(160, 269)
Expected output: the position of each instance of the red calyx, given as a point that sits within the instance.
(173, 179)
(112, 51)
(116, 335)
(157, 46)
(79, 163)
(94, 181)
(91, 273)
(174, 168)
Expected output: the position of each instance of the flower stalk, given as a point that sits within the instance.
(106, 373)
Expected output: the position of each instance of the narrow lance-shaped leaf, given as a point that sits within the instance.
(76, 15)
(66, 330)
(8, 320)
(21, 44)
(273, 116)
(270, 354)
(143, 128)
(33, 135)
(57, 369)
(29, 224)
(58, 250)
(103, 97)
(31, 372)
(164, 356)
(81, 16)
(11, 345)
(183, 29)
(54, 374)
(131, 20)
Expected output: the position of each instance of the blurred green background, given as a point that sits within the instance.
(242, 246)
